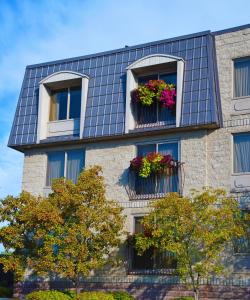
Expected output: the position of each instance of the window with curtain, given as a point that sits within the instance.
(242, 77)
(75, 160)
(55, 167)
(65, 104)
(241, 155)
(157, 183)
(66, 164)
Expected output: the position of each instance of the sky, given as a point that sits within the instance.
(34, 31)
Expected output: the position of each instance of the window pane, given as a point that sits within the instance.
(138, 226)
(165, 183)
(58, 105)
(145, 79)
(169, 148)
(242, 77)
(55, 167)
(75, 164)
(145, 185)
(170, 78)
(242, 153)
(145, 149)
(75, 103)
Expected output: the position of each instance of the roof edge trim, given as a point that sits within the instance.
(167, 57)
(94, 55)
(56, 74)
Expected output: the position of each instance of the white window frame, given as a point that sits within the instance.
(65, 162)
(68, 103)
(239, 105)
(160, 142)
(240, 182)
(48, 128)
(147, 62)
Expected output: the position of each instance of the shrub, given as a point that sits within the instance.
(185, 298)
(96, 296)
(5, 291)
(121, 295)
(47, 295)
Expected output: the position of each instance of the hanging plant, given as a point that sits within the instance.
(155, 90)
(152, 163)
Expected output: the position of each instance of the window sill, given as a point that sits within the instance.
(64, 127)
(240, 182)
(240, 105)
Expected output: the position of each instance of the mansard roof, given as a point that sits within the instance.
(105, 108)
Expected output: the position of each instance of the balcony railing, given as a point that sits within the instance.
(156, 185)
(153, 116)
(151, 262)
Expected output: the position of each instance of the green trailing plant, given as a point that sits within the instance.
(155, 91)
(153, 163)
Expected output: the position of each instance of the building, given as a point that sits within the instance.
(78, 112)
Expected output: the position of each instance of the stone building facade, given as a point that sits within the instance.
(208, 115)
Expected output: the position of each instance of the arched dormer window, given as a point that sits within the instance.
(62, 104)
(157, 66)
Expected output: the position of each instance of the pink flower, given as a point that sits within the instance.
(168, 97)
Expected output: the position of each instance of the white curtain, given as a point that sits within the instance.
(242, 153)
(55, 166)
(75, 164)
(170, 183)
(242, 78)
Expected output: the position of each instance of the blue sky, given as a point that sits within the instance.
(44, 30)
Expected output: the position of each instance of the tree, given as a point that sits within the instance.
(195, 229)
(70, 233)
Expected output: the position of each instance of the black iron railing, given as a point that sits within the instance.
(156, 185)
(153, 116)
(151, 262)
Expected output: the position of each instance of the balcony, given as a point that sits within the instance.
(151, 262)
(153, 116)
(156, 185)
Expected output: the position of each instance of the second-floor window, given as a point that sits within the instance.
(157, 183)
(65, 104)
(242, 77)
(66, 164)
(156, 113)
(241, 155)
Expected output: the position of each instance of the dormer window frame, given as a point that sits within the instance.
(146, 63)
(65, 79)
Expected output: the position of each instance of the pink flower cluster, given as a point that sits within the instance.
(155, 90)
(167, 98)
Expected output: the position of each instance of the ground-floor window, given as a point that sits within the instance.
(152, 260)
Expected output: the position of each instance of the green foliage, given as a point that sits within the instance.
(196, 229)
(5, 291)
(95, 296)
(146, 95)
(184, 298)
(121, 295)
(47, 295)
(71, 232)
